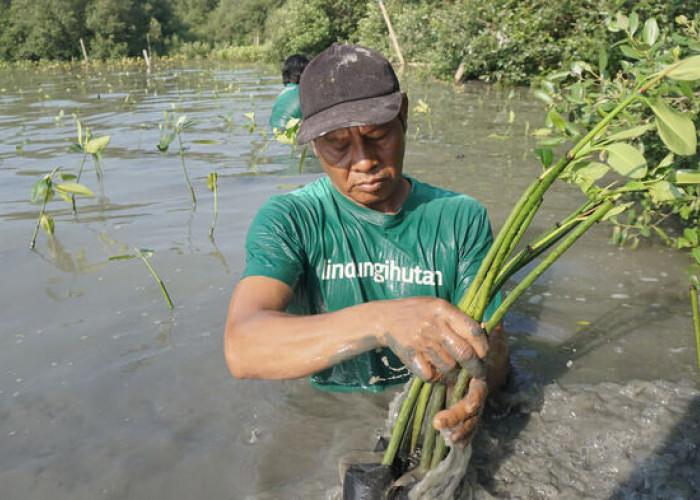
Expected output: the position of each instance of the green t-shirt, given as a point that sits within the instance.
(334, 254)
(285, 107)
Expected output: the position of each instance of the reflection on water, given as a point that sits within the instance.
(105, 393)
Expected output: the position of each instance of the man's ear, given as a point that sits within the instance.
(313, 147)
(403, 112)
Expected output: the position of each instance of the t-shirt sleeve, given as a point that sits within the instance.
(476, 241)
(273, 245)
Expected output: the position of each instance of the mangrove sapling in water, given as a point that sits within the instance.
(44, 190)
(144, 254)
(212, 179)
(87, 145)
(169, 129)
(289, 136)
(603, 140)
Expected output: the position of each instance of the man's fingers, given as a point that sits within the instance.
(441, 358)
(471, 331)
(464, 353)
(463, 433)
(466, 408)
(422, 368)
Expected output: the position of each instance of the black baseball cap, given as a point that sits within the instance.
(346, 86)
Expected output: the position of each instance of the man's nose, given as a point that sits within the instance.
(365, 157)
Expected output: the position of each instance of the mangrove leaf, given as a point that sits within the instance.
(626, 160)
(74, 188)
(650, 32)
(97, 145)
(675, 129)
(46, 223)
(689, 70)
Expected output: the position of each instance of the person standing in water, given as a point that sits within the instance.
(351, 280)
(286, 105)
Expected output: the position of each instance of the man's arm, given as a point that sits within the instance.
(430, 335)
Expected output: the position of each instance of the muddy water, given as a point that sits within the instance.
(105, 393)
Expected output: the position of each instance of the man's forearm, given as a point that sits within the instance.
(278, 345)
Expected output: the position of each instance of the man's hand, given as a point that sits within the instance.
(462, 418)
(433, 337)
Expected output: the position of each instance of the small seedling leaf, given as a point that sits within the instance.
(122, 257)
(64, 196)
(206, 141)
(676, 129)
(39, 190)
(97, 145)
(626, 160)
(47, 224)
(74, 188)
(67, 177)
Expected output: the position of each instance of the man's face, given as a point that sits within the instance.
(365, 164)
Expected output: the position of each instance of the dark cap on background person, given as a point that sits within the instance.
(346, 86)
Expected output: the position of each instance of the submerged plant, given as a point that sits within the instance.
(144, 254)
(44, 190)
(169, 129)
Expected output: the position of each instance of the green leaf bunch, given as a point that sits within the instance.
(44, 190)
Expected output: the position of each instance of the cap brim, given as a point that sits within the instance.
(372, 111)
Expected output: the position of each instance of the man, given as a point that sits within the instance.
(286, 105)
(351, 279)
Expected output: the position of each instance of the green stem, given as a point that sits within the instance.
(696, 320)
(157, 278)
(184, 170)
(541, 244)
(458, 391)
(80, 171)
(421, 407)
(38, 222)
(303, 157)
(213, 221)
(547, 262)
(437, 403)
(401, 422)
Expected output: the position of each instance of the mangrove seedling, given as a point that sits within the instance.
(212, 179)
(88, 145)
(169, 129)
(144, 254)
(288, 136)
(605, 145)
(44, 190)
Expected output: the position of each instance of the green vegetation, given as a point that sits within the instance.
(144, 254)
(44, 190)
(509, 41)
(628, 140)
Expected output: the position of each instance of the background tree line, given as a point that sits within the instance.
(498, 40)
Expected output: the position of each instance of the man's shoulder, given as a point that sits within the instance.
(437, 198)
(310, 196)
